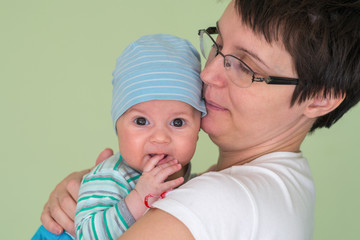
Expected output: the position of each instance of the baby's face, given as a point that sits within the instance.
(154, 127)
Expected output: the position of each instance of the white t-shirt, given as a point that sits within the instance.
(272, 197)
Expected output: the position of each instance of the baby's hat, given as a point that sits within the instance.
(157, 67)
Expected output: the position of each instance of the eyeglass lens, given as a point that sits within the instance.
(208, 47)
(240, 74)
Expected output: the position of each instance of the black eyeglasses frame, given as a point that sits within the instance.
(267, 80)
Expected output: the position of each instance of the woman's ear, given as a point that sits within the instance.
(320, 105)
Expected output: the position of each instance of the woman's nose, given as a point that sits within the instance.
(214, 72)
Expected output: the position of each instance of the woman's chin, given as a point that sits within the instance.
(212, 125)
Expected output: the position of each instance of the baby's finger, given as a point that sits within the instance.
(159, 168)
(164, 173)
(151, 163)
(166, 186)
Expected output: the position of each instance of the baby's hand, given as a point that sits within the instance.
(152, 181)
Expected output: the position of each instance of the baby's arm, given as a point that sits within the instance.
(101, 212)
(152, 181)
(103, 205)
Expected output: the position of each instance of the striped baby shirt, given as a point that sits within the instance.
(101, 212)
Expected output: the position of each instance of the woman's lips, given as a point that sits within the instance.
(213, 106)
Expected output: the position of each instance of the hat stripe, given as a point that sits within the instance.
(168, 88)
(154, 48)
(151, 63)
(172, 59)
(141, 79)
(157, 96)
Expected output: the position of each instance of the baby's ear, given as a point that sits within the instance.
(320, 105)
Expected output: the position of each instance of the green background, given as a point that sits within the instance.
(56, 61)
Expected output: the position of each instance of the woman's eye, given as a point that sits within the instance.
(240, 67)
(141, 121)
(177, 122)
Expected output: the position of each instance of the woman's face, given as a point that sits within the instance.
(260, 115)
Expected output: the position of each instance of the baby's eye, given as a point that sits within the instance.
(177, 122)
(141, 121)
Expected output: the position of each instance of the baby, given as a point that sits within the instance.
(156, 112)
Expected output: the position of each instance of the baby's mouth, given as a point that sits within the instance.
(166, 158)
(154, 154)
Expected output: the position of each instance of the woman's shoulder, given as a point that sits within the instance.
(212, 188)
(283, 179)
(204, 200)
(273, 192)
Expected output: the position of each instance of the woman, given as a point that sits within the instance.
(276, 71)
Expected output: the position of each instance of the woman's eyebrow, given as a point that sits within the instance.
(252, 54)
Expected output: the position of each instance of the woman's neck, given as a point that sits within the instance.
(285, 143)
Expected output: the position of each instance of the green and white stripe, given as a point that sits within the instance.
(101, 211)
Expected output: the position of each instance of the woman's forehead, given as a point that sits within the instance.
(272, 57)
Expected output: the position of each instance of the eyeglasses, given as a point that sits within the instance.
(240, 73)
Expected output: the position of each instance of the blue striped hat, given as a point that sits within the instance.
(157, 67)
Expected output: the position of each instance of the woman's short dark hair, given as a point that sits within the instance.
(323, 38)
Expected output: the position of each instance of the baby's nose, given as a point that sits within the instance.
(160, 136)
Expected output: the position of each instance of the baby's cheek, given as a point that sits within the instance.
(187, 151)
